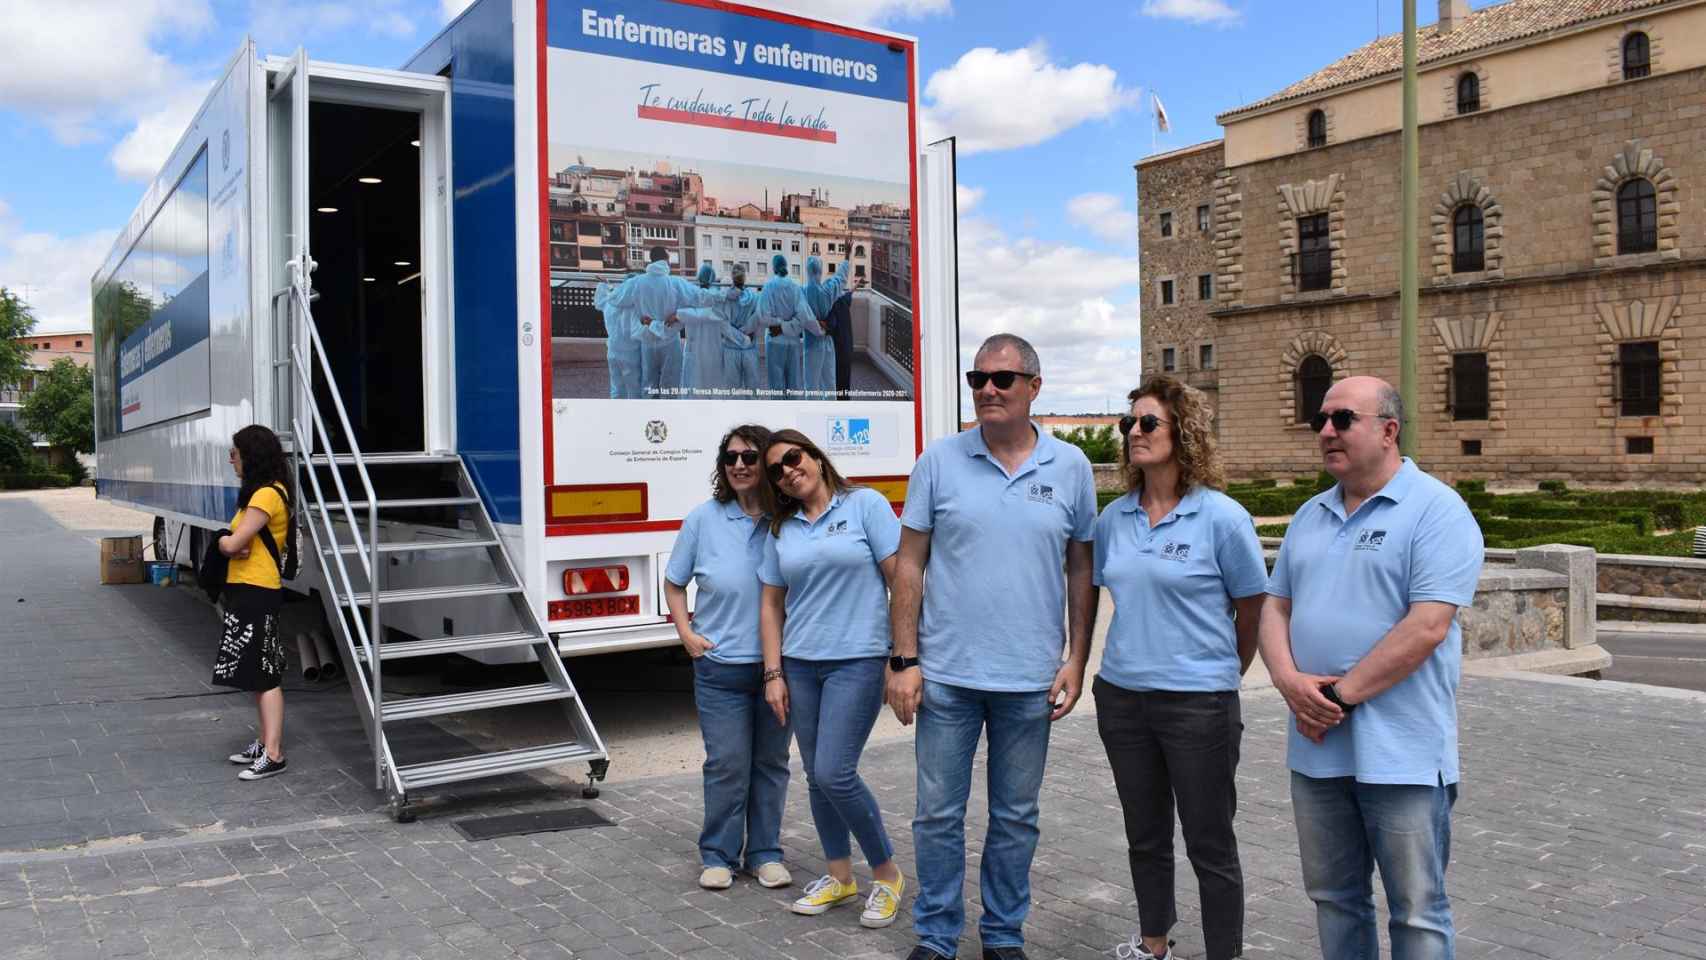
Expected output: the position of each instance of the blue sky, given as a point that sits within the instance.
(1051, 103)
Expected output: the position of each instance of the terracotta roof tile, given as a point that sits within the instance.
(1491, 26)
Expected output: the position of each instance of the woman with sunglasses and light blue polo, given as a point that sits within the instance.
(825, 625)
(1185, 570)
(720, 547)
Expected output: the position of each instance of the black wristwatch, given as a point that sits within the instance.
(897, 664)
(1331, 692)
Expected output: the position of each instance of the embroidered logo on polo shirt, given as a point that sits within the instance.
(1177, 552)
(1040, 493)
(838, 527)
(1371, 540)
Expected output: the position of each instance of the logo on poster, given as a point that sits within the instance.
(657, 431)
(851, 432)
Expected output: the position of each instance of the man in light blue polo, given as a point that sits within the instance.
(995, 554)
(1359, 633)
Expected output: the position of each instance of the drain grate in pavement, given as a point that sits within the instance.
(539, 821)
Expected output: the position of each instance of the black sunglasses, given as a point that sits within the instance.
(790, 459)
(1147, 423)
(1003, 378)
(748, 457)
(1342, 419)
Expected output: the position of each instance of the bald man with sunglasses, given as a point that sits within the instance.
(992, 578)
(1360, 635)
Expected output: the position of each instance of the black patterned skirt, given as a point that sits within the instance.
(251, 654)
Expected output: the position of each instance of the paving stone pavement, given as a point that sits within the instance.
(1580, 830)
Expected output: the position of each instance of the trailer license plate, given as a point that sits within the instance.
(595, 607)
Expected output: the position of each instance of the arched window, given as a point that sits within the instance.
(1637, 56)
(1468, 93)
(1317, 128)
(1637, 217)
(858, 250)
(1468, 241)
(1314, 378)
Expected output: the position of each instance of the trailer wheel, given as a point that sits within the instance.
(159, 538)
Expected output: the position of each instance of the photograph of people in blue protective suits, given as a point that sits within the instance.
(686, 279)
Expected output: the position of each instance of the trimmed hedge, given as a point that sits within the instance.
(1467, 487)
(33, 480)
(1554, 486)
(1670, 514)
(1271, 529)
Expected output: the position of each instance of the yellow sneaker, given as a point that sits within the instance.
(825, 892)
(883, 903)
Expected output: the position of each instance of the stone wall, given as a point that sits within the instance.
(1677, 578)
(1179, 186)
(1549, 309)
(1516, 611)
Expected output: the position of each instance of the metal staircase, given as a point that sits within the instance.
(410, 529)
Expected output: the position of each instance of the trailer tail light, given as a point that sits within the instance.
(596, 503)
(579, 580)
(594, 607)
(893, 489)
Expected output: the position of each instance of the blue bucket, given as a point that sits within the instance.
(162, 573)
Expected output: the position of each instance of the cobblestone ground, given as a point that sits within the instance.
(1580, 831)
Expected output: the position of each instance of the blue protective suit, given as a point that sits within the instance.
(784, 313)
(819, 361)
(657, 295)
(740, 364)
(621, 339)
(708, 329)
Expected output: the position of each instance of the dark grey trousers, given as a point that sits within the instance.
(1182, 748)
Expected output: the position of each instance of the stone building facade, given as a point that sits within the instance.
(1561, 246)
(1178, 266)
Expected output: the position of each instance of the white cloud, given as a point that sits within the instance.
(978, 98)
(859, 12)
(53, 272)
(1104, 215)
(1076, 305)
(967, 198)
(284, 26)
(68, 63)
(453, 8)
(1193, 11)
(139, 155)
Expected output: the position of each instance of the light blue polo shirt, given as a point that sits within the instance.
(722, 548)
(838, 601)
(1350, 581)
(1173, 586)
(994, 613)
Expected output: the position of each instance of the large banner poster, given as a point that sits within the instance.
(729, 237)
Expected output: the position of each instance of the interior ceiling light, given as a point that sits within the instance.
(369, 180)
(367, 279)
(414, 143)
(399, 263)
(326, 209)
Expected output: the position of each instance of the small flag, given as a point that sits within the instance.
(1160, 115)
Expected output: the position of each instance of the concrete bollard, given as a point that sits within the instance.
(1581, 565)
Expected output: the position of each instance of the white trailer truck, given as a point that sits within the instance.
(397, 271)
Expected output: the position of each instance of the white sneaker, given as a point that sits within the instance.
(716, 878)
(773, 875)
(1135, 950)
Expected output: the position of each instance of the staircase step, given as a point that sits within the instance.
(418, 775)
(427, 648)
(337, 506)
(1626, 601)
(415, 594)
(416, 707)
(414, 546)
(381, 459)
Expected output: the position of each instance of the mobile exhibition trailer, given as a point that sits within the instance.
(401, 272)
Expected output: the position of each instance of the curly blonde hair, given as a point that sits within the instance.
(1193, 435)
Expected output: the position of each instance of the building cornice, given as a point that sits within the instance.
(1184, 151)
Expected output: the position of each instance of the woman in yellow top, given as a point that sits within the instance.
(251, 654)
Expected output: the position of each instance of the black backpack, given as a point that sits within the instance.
(215, 565)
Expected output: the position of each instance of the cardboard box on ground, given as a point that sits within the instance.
(121, 560)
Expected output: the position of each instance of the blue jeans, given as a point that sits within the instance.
(746, 766)
(1344, 829)
(950, 721)
(833, 704)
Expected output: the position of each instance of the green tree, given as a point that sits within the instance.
(1100, 444)
(61, 408)
(16, 321)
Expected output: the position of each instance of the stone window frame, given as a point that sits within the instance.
(1656, 318)
(1164, 220)
(1212, 360)
(1210, 278)
(1205, 217)
(1159, 300)
(1466, 188)
(1633, 161)
(1449, 89)
(1476, 333)
(1326, 111)
(1163, 362)
(1307, 199)
(1614, 51)
(1308, 343)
